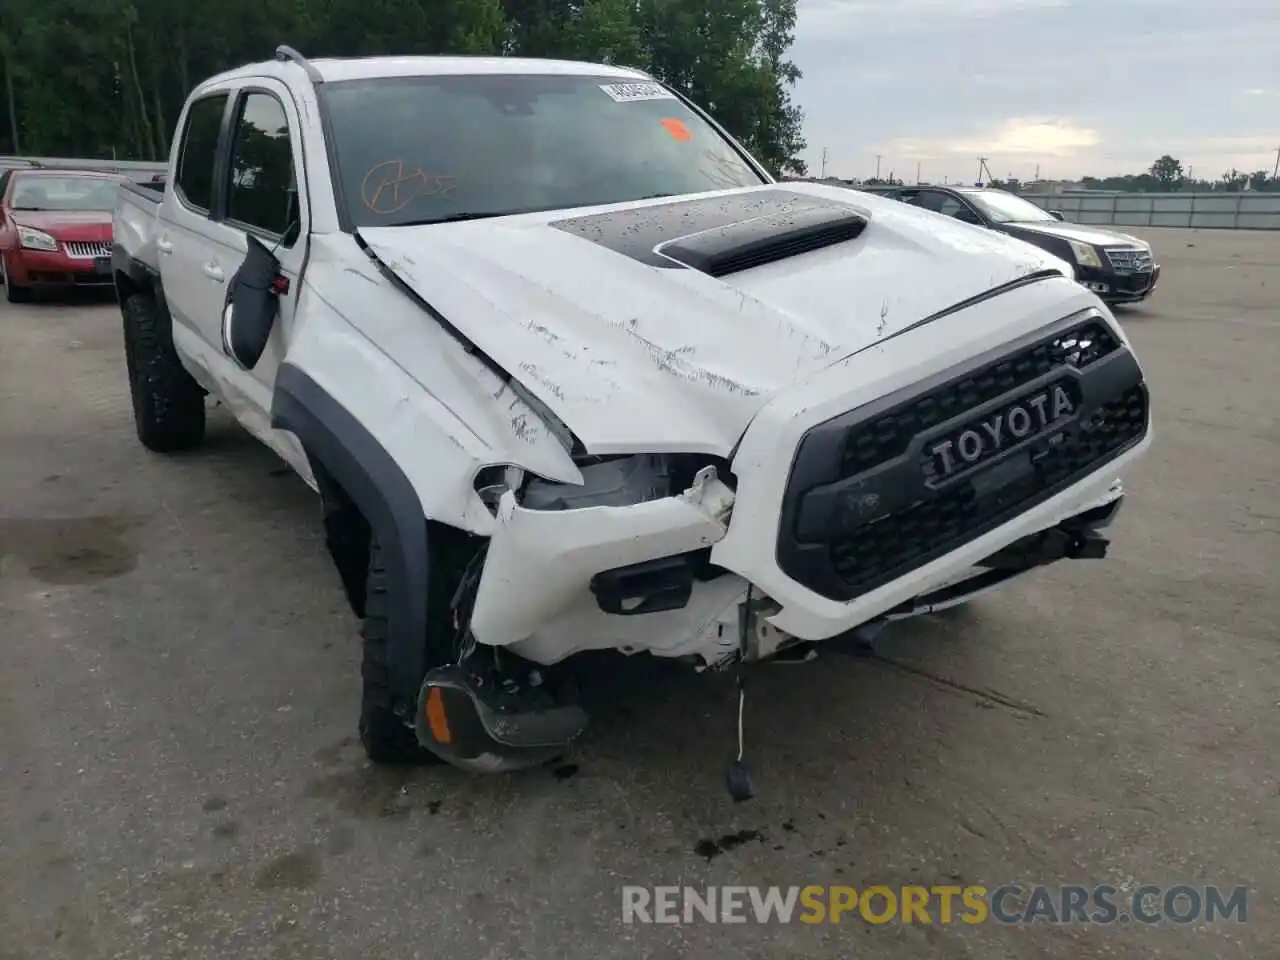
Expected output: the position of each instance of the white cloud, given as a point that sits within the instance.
(866, 17)
(1256, 92)
(1041, 138)
(1034, 137)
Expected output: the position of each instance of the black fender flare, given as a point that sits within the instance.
(133, 276)
(340, 445)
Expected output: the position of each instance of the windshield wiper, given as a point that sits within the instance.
(456, 218)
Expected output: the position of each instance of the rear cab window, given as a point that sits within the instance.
(194, 178)
(428, 149)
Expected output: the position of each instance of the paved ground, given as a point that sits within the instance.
(177, 697)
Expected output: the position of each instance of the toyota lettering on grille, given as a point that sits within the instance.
(981, 440)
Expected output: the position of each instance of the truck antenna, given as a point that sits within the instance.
(286, 53)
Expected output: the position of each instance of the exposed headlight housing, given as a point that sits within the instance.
(493, 481)
(32, 239)
(1086, 256)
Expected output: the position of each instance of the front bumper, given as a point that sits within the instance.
(1114, 287)
(541, 593)
(43, 268)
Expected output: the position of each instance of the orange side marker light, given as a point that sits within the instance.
(436, 720)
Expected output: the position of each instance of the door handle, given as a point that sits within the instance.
(214, 272)
(164, 246)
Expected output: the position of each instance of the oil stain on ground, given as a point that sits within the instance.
(70, 551)
(730, 841)
(298, 870)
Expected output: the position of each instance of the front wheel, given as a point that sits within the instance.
(386, 737)
(12, 292)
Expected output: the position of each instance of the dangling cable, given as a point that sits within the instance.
(737, 780)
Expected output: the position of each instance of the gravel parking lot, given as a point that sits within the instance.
(178, 683)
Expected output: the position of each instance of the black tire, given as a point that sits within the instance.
(12, 292)
(168, 405)
(386, 736)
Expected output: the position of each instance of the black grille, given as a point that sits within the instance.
(866, 503)
(929, 528)
(888, 435)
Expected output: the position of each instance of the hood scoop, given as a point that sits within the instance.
(747, 244)
(722, 234)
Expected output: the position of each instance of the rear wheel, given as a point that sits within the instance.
(168, 405)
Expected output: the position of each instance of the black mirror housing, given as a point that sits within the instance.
(250, 309)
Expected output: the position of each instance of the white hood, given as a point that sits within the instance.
(640, 358)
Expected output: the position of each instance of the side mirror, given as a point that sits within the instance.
(250, 309)
(1057, 215)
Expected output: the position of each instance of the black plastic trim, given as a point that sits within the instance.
(137, 272)
(658, 585)
(147, 279)
(337, 441)
(761, 240)
(639, 232)
(852, 501)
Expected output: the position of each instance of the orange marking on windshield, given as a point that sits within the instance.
(677, 129)
(390, 186)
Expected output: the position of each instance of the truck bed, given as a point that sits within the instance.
(135, 219)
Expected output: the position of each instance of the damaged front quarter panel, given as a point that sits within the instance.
(437, 410)
(539, 562)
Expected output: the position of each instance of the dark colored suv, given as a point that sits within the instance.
(1117, 267)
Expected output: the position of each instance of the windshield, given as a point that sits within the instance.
(426, 149)
(71, 193)
(1006, 208)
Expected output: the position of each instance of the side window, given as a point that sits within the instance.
(263, 191)
(928, 199)
(950, 206)
(199, 151)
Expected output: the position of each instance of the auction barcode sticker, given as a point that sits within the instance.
(631, 92)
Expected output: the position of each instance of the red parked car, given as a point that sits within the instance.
(55, 229)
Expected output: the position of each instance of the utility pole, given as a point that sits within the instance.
(824, 163)
(877, 166)
(1275, 173)
(917, 172)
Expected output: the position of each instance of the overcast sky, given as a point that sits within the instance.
(1076, 86)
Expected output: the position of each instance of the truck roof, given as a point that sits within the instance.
(336, 69)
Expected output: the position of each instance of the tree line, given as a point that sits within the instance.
(108, 79)
(1167, 175)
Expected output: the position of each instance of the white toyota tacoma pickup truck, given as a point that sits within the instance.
(570, 371)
